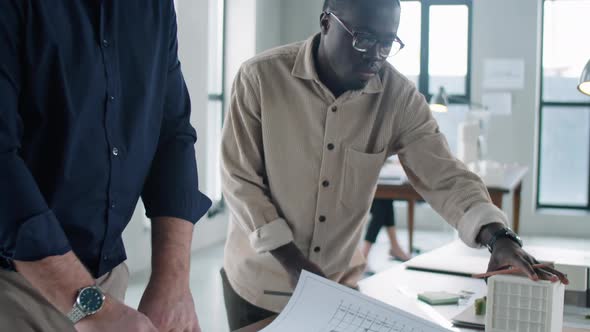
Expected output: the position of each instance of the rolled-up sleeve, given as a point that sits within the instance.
(456, 193)
(29, 230)
(243, 173)
(172, 186)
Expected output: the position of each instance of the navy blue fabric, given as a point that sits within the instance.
(94, 114)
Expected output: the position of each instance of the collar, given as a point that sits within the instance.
(305, 68)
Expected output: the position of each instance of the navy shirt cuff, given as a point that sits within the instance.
(39, 237)
(190, 208)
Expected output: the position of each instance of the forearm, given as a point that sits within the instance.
(294, 261)
(57, 278)
(288, 252)
(171, 246)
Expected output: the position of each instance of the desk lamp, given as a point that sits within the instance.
(440, 102)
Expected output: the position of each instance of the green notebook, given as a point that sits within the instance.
(439, 298)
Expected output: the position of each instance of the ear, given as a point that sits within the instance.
(324, 22)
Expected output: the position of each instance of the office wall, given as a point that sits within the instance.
(502, 29)
(300, 18)
(268, 24)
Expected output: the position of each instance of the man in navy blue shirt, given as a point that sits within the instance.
(94, 114)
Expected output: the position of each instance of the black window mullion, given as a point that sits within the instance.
(216, 97)
(469, 49)
(540, 129)
(424, 78)
(565, 104)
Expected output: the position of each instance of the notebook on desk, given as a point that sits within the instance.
(467, 318)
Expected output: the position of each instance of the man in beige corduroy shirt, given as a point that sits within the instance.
(309, 128)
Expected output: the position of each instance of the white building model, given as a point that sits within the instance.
(518, 304)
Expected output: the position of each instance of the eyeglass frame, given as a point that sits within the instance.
(355, 34)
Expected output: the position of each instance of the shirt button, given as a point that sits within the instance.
(330, 146)
(105, 258)
(115, 152)
(334, 109)
(316, 249)
(113, 204)
(112, 98)
(322, 219)
(326, 184)
(105, 43)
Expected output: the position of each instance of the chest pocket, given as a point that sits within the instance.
(361, 172)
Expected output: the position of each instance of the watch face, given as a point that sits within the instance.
(90, 300)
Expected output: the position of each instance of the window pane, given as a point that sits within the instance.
(565, 49)
(449, 35)
(215, 46)
(564, 156)
(407, 61)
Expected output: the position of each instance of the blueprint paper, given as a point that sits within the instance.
(321, 305)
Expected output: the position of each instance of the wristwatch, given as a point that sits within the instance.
(89, 301)
(503, 233)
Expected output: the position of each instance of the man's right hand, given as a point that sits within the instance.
(116, 316)
(293, 261)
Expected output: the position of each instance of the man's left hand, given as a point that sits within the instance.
(509, 254)
(170, 307)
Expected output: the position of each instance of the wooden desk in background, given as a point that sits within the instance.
(498, 184)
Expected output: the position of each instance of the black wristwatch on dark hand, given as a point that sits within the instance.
(503, 233)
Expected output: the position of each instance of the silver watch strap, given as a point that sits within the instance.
(76, 314)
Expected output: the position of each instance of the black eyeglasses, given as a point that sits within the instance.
(364, 41)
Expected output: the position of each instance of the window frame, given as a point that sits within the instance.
(424, 76)
(221, 95)
(219, 205)
(542, 104)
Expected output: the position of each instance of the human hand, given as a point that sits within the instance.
(170, 307)
(115, 316)
(507, 253)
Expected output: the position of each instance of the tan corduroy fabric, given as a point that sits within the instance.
(24, 309)
(300, 165)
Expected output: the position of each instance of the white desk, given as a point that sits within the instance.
(399, 286)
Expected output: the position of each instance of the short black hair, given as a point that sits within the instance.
(336, 5)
